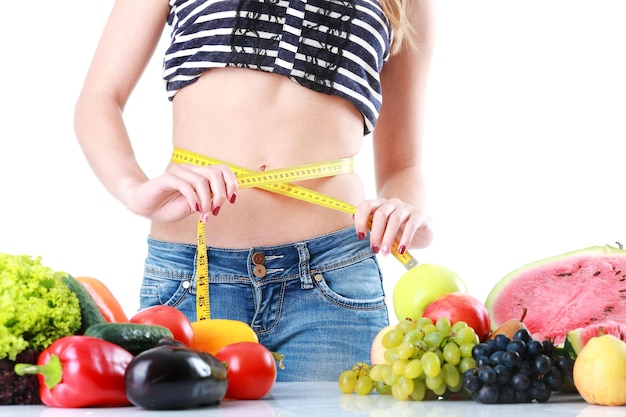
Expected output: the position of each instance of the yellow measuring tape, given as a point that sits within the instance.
(276, 181)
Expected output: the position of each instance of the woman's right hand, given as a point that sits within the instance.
(182, 190)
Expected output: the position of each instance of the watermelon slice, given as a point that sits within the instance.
(563, 293)
(577, 339)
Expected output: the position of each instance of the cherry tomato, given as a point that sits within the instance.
(169, 317)
(251, 370)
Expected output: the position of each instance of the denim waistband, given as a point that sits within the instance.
(274, 263)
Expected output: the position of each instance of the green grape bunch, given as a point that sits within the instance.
(423, 359)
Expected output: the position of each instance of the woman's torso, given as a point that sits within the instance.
(262, 121)
(326, 96)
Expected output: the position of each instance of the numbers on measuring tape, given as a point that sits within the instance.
(203, 305)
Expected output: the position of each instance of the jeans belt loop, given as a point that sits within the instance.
(306, 283)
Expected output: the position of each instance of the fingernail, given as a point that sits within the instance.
(385, 251)
(375, 249)
(197, 207)
(401, 249)
(233, 198)
(205, 217)
(361, 235)
(216, 211)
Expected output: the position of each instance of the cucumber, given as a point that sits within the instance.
(90, 313)
(134, 337)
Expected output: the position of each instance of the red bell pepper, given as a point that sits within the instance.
(81, 371)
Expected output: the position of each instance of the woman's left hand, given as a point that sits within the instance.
(393, 219)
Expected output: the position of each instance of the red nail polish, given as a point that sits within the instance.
(401, 249)
(361, 235)
(197, 207)
(216, 211)
(375, 249)
(233, 198)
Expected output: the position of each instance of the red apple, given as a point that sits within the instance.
(459, 306)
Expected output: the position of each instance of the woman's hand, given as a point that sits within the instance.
(183, 190)
(392, 219)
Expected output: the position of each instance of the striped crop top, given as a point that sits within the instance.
(336, 47)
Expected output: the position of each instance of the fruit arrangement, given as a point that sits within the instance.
(524, 348)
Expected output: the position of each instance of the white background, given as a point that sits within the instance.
(524, 139)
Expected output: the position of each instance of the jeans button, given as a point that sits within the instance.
(258, 258)
(260, 271)
(318, 277)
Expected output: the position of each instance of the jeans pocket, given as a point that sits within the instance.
(354, 286)
(163, 288)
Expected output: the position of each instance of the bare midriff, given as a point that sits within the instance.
(262, 121)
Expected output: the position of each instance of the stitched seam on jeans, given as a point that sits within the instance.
(279, 310)
(277, 279)
(352, 306)
(343, 263)
(167, 274)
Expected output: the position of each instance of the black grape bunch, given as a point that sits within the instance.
(517, 370)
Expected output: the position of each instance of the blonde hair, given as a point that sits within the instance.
(397, 12)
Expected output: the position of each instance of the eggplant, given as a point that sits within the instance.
(174, 377)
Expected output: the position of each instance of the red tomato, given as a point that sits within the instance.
(459, 306)
(169, 317)
(251, 370)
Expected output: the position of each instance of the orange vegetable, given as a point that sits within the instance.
(105, 300)
(213, 334)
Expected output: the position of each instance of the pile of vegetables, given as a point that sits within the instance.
(140, 363)
(66, 342)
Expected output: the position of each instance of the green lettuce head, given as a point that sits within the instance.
(36, 307)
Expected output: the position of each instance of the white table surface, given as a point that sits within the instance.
(325, 399)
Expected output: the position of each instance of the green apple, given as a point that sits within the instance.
(421, 285)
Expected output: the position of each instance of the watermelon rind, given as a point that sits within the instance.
(563, 292)
(577, 339)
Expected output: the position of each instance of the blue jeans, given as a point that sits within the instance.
(320, 302)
